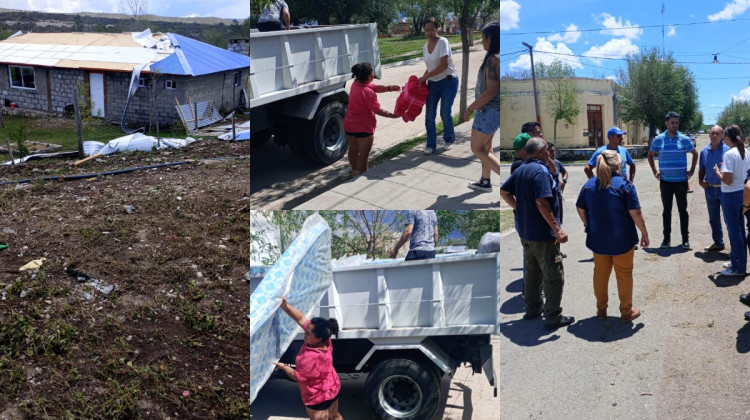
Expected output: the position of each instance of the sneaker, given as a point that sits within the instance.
(634, 313)
(747, 316)
(727, 264)
(745, 299)
(685, 245)
(664, 244)
(689, 191)
(714, 247)
(428, 150)
(482, 185)
(448, 146)
(563, 321)
(601, 314)
(564, 255)
(731, 273)
(532, 315)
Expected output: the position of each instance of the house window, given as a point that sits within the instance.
(170, 85)
(237, 78)
(22, 77)
(142, 82)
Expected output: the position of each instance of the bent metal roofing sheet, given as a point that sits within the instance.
(117, 52)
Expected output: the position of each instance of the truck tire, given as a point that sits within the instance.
(327, 140)
(403, 389)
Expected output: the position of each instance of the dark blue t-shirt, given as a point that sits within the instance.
(610, 228)
(529, 182)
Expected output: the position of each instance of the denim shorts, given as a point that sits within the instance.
(487, 121)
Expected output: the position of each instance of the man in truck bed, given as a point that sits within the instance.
(422, 233)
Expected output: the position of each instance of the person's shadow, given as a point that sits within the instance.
(743, 339)
(526, 333)
(666, 252)
(710, 257)
(604, 331)
(725, 281)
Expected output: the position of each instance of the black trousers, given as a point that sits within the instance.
(419, 255)
(679, 191)
(270, 26)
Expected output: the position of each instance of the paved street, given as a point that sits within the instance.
(685, 357)
(466, 396)
(278, 176)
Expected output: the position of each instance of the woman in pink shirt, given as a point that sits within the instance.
(359, 121)
(318, 381)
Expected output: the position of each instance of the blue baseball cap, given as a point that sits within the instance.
(615, 130)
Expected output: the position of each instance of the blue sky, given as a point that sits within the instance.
(593, 37)
(228, 9)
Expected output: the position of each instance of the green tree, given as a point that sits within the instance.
(78, 24)
(654, 85)
(560, 92)
(737, 112)
(471, 224)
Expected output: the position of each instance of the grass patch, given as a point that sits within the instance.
(395, 49)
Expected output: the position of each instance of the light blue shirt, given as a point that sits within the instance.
(627, 160)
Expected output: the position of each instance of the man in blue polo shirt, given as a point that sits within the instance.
(711, 155)
(673, 175)
(531, 192)
(614, 135)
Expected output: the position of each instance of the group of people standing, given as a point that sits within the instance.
(609, 208)
(441, 79)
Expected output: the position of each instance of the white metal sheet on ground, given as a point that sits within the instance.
(302, 274)
(133, 142)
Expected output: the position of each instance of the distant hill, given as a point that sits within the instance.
(211, 30)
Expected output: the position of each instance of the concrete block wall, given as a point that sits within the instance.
(218, 87)
(140, 105)
(63, 86)
(35, 99)
(239, 46)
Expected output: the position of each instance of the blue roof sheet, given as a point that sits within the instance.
(195, 58)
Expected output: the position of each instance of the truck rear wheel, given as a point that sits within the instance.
(403, 389)
(327, 142)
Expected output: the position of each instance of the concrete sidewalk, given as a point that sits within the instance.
(414, 180)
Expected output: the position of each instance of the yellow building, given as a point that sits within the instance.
(596, 99)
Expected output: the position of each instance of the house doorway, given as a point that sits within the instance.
(594, 116)
(96, 81)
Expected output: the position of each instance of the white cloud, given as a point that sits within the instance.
(615, 27)
(570, 35)
(672, 31)
(744, 95)
(68, 6)
(715, 106)
(614, 48)
(542, 47)
(612, 77)
(509, 14)
(731, 9)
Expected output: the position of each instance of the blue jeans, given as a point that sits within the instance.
(443, 91)
(731, 204)
(713, 202)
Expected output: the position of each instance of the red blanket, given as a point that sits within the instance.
(411, 100)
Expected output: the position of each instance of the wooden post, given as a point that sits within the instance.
(77, 110)
(234, 134)
(7, 142)
(195, 114)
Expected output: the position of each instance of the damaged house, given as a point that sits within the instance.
(38, 74)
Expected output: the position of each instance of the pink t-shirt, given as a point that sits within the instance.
(317, 378)
(363, 103)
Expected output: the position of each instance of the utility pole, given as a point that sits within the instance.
(663, 54)
(533, 82)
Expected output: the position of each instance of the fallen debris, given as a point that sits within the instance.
(33, 265)
(82, 277)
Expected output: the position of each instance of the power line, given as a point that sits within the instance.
(626, 28)
(627, 59)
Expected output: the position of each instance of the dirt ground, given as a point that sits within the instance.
(171, 339)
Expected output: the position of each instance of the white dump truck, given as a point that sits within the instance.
(408, 323)
(297, 85)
